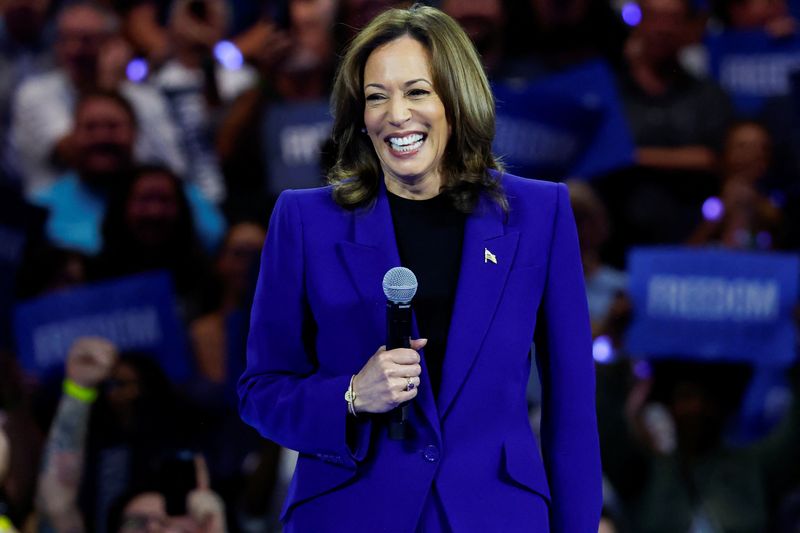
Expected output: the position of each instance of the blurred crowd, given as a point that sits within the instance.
(154, 135)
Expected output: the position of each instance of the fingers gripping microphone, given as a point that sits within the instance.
(399, 286)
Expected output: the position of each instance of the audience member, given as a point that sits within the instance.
(102, 153)
(219, 346)
(102, 141)
(678, 121)
(91, 56)
(198, 86)
(25, 50)
(89, 363)
(297, 69)
(117, 418)
(709, 486)
(153, 510)
(234, 268)
(25, 47)
(148, 226)
(604, 284)
(146, 25)
(749, 219)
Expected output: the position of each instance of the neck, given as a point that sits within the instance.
(421, 189)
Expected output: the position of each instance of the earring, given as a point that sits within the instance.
(363, 130)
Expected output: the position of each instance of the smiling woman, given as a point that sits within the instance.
(496, 258)
(405, 118)
(403, 71)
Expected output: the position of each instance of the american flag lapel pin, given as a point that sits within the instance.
(489, 256)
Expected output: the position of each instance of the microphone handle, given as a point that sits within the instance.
(398, 335)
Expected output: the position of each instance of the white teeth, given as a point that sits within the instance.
(407, 148)
(404, 141)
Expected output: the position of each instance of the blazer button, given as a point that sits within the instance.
(431, 453)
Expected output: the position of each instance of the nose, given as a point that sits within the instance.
(399, 111)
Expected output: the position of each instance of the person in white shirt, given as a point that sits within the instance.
(91, 55)
(199, 86)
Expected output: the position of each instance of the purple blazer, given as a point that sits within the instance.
(319, 315)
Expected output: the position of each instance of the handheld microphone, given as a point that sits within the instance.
(399, 286)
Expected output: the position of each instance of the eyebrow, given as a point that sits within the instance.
(406, 84)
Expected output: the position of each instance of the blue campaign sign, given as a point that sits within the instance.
(293, 134)
(752, 66)
(188, 108)
(713, 304)
(137, 313)
(568, 124)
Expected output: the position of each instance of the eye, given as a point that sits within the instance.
(418, 92)
(374, 97)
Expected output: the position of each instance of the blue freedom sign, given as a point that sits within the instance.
(293, 134)
(137, 313)
(713, 304)
(752, 66)
(568, 124)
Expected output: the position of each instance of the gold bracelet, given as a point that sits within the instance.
(350, 397)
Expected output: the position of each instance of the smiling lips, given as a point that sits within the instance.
(406, 144)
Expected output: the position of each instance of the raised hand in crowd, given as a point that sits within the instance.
(199, 23)
(265, 44)
(155, 510)
(204, 506)
(112, 62)
(89, 363)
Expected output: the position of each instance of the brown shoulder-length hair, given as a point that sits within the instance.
(459, 81)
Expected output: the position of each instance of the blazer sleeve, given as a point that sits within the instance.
(570, 444)
(282, 392)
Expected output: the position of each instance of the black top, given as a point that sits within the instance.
(429, 237)
(691, 111)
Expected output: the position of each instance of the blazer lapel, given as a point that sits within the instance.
(372, 252)
(485, 262)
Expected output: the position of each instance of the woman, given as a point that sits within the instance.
(149, 225)
(416, 184)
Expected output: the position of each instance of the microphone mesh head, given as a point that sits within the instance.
(399, 285)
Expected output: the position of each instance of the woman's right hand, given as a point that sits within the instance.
(383, 383)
